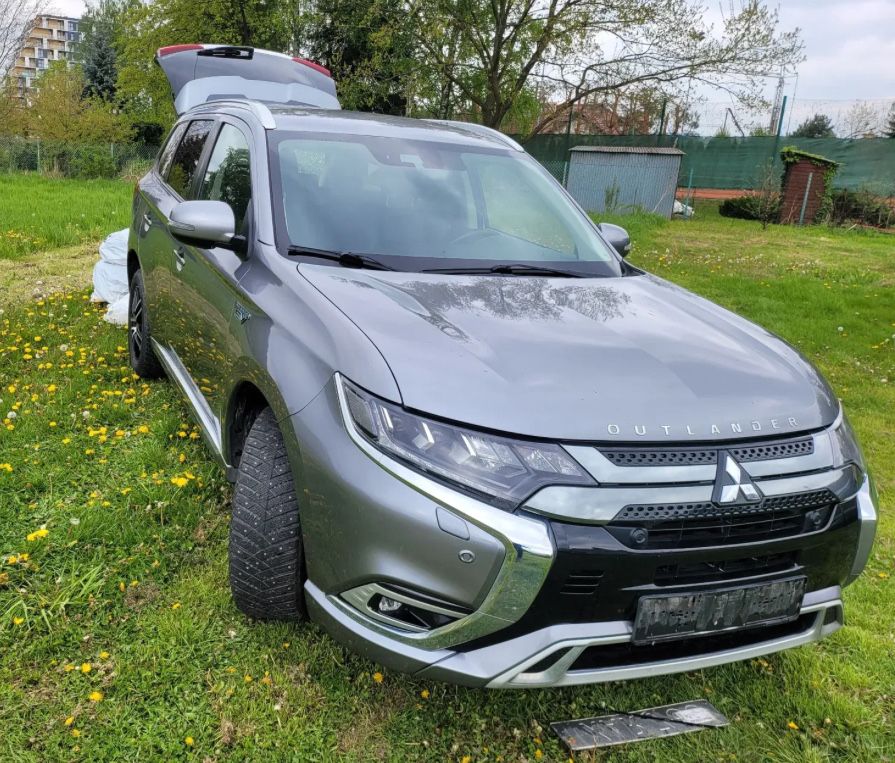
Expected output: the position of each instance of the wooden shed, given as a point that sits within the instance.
(807, 179)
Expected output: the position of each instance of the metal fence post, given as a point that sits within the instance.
(805, 198)
(38, 156)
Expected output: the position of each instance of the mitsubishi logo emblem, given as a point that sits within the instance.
(732, 485)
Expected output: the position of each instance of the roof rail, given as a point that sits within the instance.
(260, 110)
(486, 132)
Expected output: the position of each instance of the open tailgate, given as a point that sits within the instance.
(198, 73)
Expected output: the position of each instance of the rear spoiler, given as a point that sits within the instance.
(199, 73)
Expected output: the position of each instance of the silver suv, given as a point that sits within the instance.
(467, 437)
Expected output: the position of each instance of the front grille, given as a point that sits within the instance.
(660, 457)
(726, 569)
(689, 525)
(674, 456)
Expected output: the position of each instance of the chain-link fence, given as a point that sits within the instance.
(79, 160)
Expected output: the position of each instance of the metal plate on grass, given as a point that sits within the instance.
(653, 723)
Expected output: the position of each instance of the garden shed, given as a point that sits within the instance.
(807, 184)
(624, 178)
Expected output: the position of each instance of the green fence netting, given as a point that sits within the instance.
(867, 164)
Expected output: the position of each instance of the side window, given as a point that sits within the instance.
(167, 154)
(186, 157)
(228, 177)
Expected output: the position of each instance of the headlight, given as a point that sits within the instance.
(845, 445)
(509, 470)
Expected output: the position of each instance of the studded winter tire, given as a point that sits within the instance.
(266, 553)
(142, 356)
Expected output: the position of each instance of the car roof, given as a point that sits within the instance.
(314, 120)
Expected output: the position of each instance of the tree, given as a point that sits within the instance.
(818, 126)
(488, 52)
(97, 48)
(145, 27)
(16, 21)
(889, 129)
(862, 121)
(367, 45)
(58, 112)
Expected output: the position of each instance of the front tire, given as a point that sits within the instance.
(266, 551)
(142, 355)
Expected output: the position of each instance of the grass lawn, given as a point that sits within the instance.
(39, 213)
(118, 639)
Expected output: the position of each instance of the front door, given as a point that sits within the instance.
(209, 277)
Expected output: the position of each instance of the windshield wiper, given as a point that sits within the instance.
(345, 259)
(511, 269)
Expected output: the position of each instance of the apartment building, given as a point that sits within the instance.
(52, 38)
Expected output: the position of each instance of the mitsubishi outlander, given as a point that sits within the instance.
(467, 436)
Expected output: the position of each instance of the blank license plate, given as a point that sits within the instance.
(662, 618)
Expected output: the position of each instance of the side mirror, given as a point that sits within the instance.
(617, 236)
(204, 223)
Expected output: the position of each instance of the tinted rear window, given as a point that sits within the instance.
(186, 158)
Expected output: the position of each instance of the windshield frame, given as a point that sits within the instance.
(613, 266)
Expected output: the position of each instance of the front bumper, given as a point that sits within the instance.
(368, 519)
(559, 655)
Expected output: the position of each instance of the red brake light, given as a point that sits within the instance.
(313, 65)
(169, 49)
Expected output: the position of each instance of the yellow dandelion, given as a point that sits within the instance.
(247, 678)
(179, 481)
(41, 532)
(75, 733)
(189, 741)
(378, 677)
(104, 655)
(175, 605)
(86, 667)
(18, 620)
(794, 726)
(69, 668)
(95, 696)
(70, 720)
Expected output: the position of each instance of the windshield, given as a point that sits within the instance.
(425, 205)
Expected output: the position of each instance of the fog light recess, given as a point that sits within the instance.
(402, 607)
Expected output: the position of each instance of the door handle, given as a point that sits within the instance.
(179, 259)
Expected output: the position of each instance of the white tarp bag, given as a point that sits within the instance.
(110, 277)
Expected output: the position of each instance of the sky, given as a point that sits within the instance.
(849, 45)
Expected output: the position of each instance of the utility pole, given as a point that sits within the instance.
(778, 102)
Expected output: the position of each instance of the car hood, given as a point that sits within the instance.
(598, 359)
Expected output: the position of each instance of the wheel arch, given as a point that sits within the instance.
(245, 403)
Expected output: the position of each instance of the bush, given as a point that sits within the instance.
(90, 162)
(862, 207)
(753, 206)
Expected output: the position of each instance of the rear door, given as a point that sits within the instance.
(177, 184)
(150, 212)
(200, 73)
(209, 278)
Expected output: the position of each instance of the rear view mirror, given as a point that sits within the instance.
(617, 236)
(204, 223)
